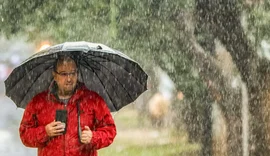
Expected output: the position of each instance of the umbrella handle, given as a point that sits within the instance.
(79, 123)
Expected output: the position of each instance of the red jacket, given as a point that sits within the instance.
(93, 113)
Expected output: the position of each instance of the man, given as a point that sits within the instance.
(84, 108)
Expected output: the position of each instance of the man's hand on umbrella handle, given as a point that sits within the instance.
(55, 128)
(86, 135)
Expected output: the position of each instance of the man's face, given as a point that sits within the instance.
(66, 77)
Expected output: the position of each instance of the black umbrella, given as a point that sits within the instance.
(112, 74)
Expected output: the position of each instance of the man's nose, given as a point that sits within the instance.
(68, 77)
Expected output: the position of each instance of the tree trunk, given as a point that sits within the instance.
(228, 98)
(207, 134)
(221, 91)
(233, 118)
(230, 102)
(223, 18)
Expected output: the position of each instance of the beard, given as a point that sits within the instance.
(67, 91)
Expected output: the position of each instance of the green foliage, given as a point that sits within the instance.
(56, 20)
(258, 21)
(148, 31)
(153, 27)
(151, 32)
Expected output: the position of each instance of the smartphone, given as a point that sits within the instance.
(61, 115)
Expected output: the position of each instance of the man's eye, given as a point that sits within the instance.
(64, 74)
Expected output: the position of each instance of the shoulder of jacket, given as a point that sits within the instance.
(37, 101)
(40, 96)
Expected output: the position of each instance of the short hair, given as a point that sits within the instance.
(63, 58)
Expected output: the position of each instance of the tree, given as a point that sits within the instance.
(178, 36)
(147, 30)
(223, 18)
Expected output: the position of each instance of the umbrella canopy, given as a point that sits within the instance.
(110, 73)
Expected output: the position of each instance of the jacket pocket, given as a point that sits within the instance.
(87, 119)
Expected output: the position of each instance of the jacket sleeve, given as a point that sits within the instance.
(105, 129)
(32, 135)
